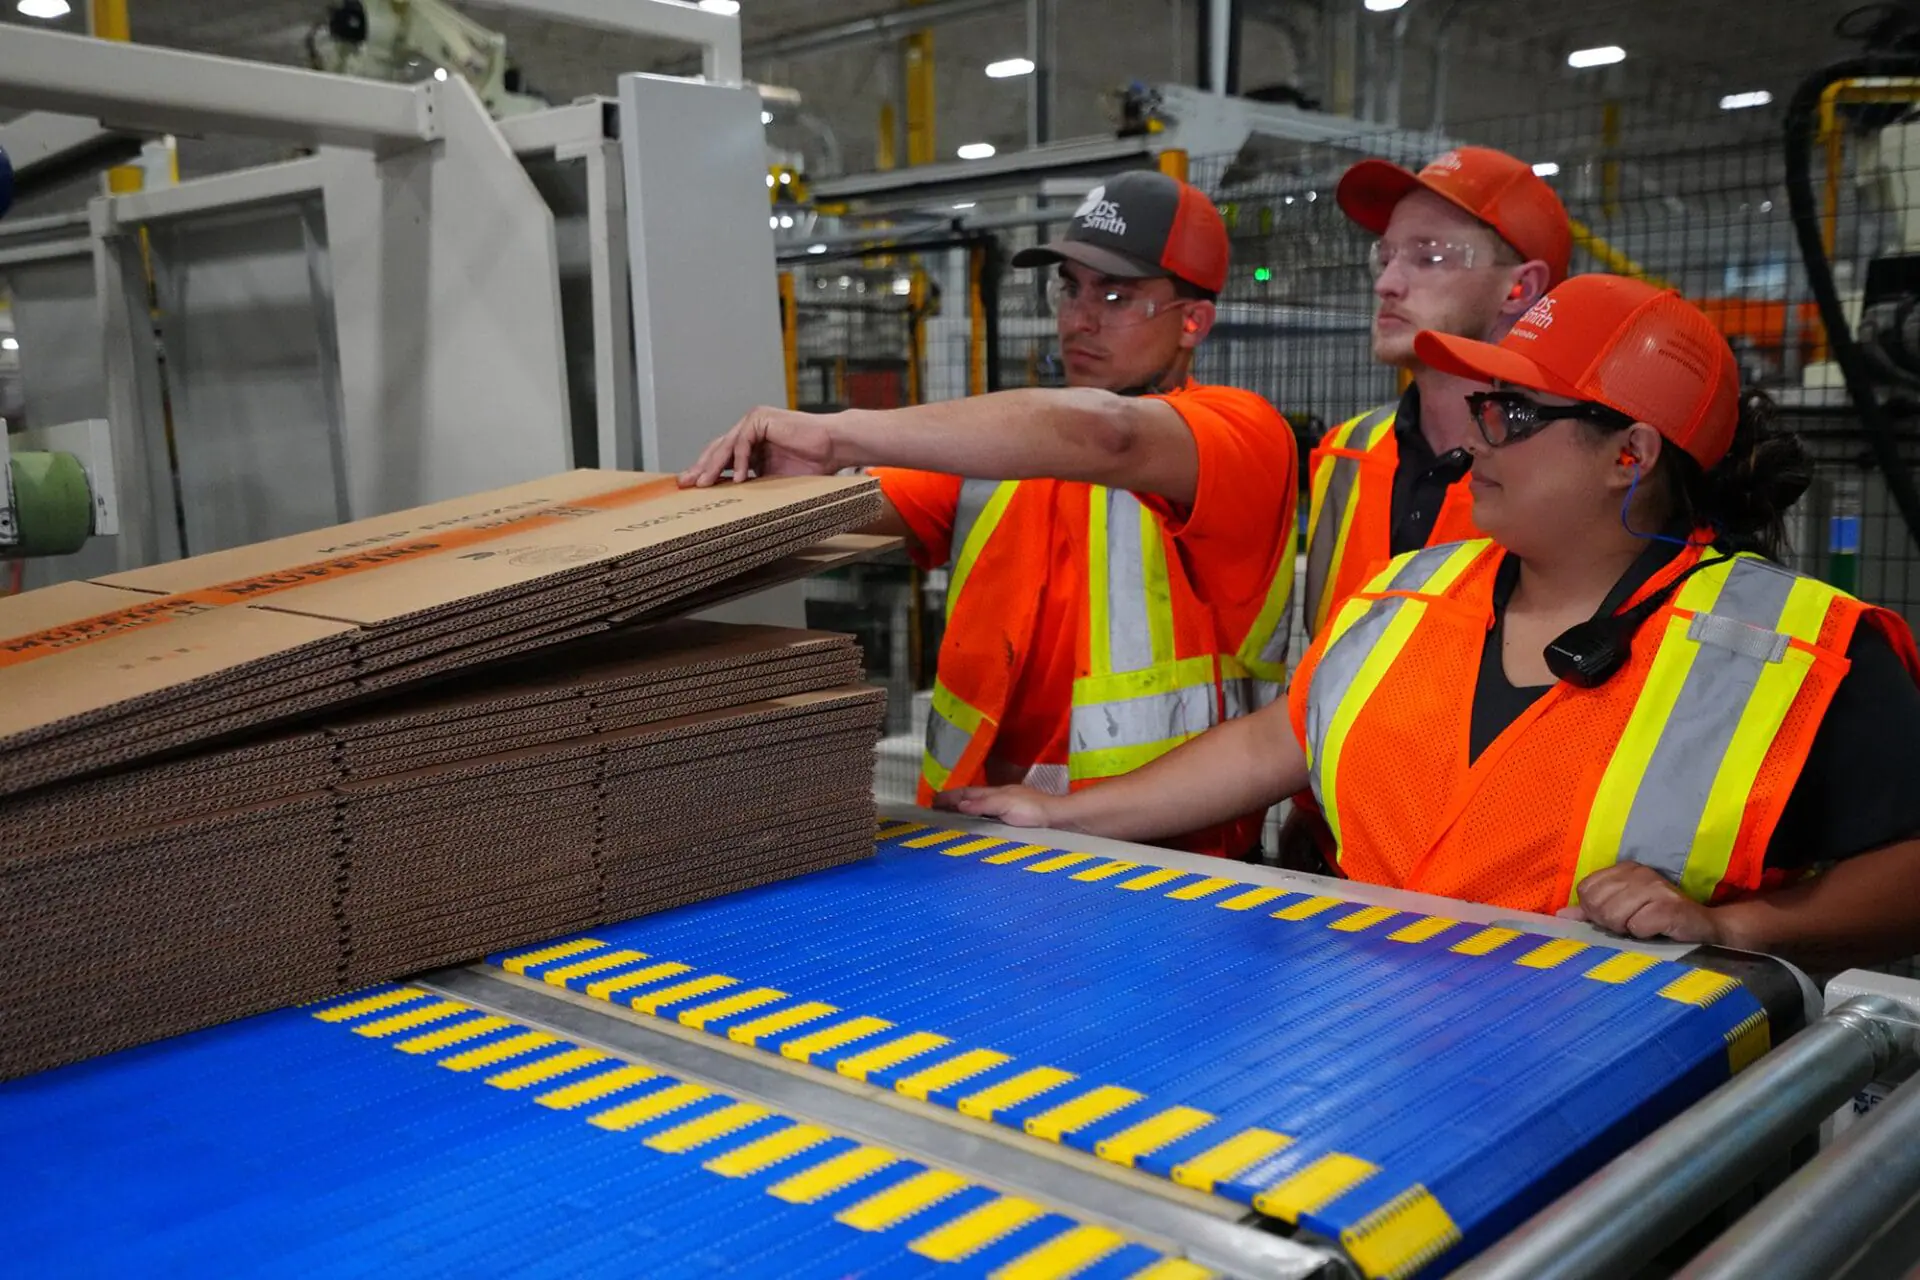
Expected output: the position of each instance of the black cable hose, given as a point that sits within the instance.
(1802, 113)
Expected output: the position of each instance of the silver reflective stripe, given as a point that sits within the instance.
(1339, 667)
(1245, 695)
(1711, 628)
(974, 495)
(1050, 778)
(1419, 570)
(1340, 492)
(946, 741)
(1274, 648)
(1129, 638)
(1140, 722)
(1672, 797)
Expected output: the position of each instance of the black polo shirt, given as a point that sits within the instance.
(1857, 792)
(1420, 480)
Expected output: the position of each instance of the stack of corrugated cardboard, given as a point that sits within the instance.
(230, 797)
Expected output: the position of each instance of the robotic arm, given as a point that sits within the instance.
(378, 39)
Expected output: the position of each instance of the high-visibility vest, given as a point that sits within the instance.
(1151, 671)
(1350, 511)
(1683, 761)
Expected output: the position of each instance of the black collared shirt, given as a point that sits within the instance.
(1856, 793)
(1420, 480)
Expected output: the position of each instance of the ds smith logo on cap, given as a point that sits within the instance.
(1536, 321)
(1097, 213)
(1448, 163)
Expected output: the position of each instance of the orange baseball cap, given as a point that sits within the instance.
(1642, 351)
(1499, 190)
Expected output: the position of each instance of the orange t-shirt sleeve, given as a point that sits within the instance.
(1248, 491)
(928, 503)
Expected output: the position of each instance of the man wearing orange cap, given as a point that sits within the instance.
(1466, 247)
(1122, 550)
(1618, 705)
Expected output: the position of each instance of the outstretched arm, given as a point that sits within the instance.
(1862, 911)
(1077, 434)
(1233, 769)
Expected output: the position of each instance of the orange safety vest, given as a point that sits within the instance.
(1683, 761)
(1350, 511)
(1151, 668)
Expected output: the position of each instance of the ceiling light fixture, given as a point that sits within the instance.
(1741, 101)
(1546, 169)
(1604, 56)
(1385, 6)
(766, 117)
(1007, 68)
(725, 8)
(440, 74)
(47, 9)
(975, 150)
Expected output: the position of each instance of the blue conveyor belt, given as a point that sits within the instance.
(395, 1132)
(1410, 1085)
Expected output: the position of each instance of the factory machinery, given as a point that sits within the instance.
(1024, 1054)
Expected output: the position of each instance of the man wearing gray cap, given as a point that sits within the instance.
(1122, 549)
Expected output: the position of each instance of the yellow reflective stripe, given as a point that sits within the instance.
(1099, 642)
(1272, 616)
(935, 773)
(1768, 703)
(1165, 677)
(964, 558)
(1067, 1254)
(832, 1175)
(1613, 801)
(1153, 568)
(1341, 537)
(1234, 1156)
(764, 1153)
(1372, 670)
(1152, 1134)
(1114, 761)
(949, 704)
(974, 1230)
(898, 1203)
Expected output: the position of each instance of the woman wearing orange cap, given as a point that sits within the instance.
(1618, 707)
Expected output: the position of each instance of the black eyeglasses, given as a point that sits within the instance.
(1507, 417)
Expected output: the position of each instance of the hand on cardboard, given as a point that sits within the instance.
(1636, 901)
(1015, 806)
(767, 442)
